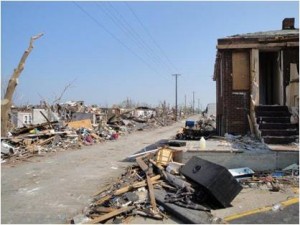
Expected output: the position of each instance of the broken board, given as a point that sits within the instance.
(190, 216)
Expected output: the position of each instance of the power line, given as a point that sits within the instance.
(127, 29)
(151, 37)
(138, 36)
(116, 38)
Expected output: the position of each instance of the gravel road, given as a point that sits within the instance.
(57, 186)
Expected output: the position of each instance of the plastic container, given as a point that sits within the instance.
(189, 123)
(202, 143)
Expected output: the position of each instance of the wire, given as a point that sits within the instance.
(151, 37)
(116, 38)
(129, 33)
(138, 37)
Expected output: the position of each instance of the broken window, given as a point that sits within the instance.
(240, 71)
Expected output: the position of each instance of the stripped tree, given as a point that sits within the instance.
(6, 103)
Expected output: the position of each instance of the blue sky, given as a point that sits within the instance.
(110, 56)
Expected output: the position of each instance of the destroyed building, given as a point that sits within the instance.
(257, 83)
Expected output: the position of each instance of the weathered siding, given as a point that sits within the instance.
(232, 106)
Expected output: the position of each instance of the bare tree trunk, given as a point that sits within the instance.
(13, 82)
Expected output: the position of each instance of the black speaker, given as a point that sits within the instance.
(215, 180)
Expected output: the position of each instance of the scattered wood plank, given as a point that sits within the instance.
(101, 209)
(142, 164)
(136, 185)
(24, 130)
(43, 142)
(151, 194)
(104, 199)
(111, 214)
(145, 168)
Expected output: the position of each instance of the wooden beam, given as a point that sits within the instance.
(142, 164)
(111, 214)
(151, 194)
(104, 199)
(101, 209)
(260, 46)
(136, 185)
(145, 168)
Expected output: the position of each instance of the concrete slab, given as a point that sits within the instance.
(290, 147)
(241, 152)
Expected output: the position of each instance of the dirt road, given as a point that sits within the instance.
(55, 187)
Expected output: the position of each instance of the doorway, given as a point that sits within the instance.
(270, 81)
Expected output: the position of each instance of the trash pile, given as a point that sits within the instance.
(274, 181)
(157, 185)
(246, 142)
(72, 125)
(194, 130)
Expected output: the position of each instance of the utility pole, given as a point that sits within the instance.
(184, 105)
(193, 102)
(198, 105)
(176, 76)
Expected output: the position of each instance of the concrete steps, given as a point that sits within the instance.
(274, 124)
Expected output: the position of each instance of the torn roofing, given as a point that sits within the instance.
(262, 37)
(266, 34)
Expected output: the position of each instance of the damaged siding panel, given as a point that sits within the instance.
(240, 71)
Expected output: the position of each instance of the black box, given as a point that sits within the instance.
(215, 180)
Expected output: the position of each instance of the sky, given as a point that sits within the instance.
(110, 51)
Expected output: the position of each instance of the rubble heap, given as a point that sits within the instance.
(148, 188)
(204, 127)
(72, 125)
(155, 187)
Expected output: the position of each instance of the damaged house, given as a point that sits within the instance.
(257, 84)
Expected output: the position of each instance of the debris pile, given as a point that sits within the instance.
(72, 125)
(274, 181)
(194, 130)
(157, 187)
(246, 142)
(153, 187)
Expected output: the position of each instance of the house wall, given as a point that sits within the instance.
(37, 116)
(290, 55)
(23, 118)
(232, 106)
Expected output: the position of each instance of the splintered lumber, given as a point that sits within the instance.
(142, 164)
(145, 168)
(187, 216)
(111, 214)
(156, 165)
(127, 188)
(135, 185)
(104, 199)
(101, 209)
(23, 130)
(46, 141)
(151, 193)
